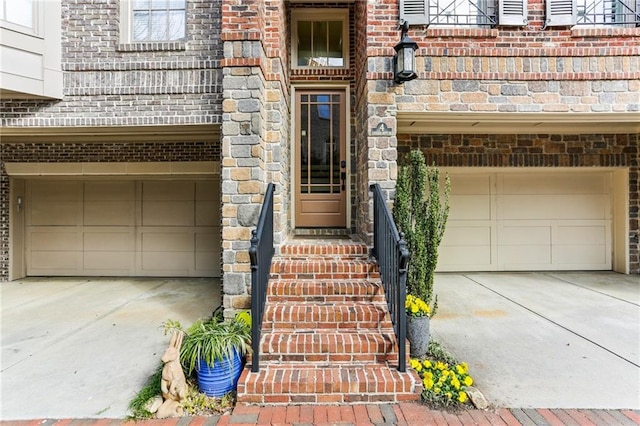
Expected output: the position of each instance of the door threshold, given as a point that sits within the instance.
(321, 232)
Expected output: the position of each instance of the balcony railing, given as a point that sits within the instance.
(260, 254)
(393, 258)
(608, 12)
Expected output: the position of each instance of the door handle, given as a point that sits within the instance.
(343, 177)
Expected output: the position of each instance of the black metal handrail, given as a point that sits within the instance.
(260, 254)
(392, 255)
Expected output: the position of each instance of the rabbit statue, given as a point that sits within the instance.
(173, 383)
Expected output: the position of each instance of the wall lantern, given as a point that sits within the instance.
(404, 61)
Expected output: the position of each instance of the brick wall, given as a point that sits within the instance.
(539, 151)
(109, 82)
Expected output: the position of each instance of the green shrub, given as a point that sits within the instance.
(421, 213)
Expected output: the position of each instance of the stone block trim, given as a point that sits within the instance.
(470, 94)
(540, 151)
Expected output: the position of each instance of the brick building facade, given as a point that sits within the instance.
(223, 104)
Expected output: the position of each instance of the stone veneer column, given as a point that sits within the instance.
(255, 139)
(242, 171)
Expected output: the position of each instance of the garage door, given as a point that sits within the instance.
(123, 228)
(512, 221)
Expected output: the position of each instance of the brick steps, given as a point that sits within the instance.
(324, 269)
(327, 346)
(325, 291)
(325, 316)
(326, 333)
(322, 384)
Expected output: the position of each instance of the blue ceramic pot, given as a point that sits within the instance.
(221, 378)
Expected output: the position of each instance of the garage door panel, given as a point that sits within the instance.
(581, 234)
(574, 207)
(163, 190)
(109, 240)
(109, 213)
(54, 190)
(167, 213)
(525, 255)
(472, 234)
(110, 191)
(556, 183)
(469, 207)
(53, 239)
(581, 256)
(511, 235)
(205, 213)
(55, 262)
(112, 262)
(471, 184)
(464, 258)
(167, 263)
(208, 191)
(59, 213)
(166, 240)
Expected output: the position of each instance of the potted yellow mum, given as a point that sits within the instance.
(418, 314)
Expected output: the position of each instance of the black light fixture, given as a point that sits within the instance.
(404, 61)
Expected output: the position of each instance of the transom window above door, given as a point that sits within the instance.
(320, 38)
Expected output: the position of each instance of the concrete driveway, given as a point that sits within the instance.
(553, 340)
(83, 347)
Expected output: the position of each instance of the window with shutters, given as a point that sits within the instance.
(475, 13)
(608, 12)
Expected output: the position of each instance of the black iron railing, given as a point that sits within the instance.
(260, 254)
(393, 257)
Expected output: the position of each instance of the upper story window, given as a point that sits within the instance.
(608, 12)
(476, 13)
(154, 20)
(320, 38)
(624, 13)
(18, 12)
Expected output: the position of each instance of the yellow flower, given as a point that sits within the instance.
(426, 363)
(455, 382)
(428, 383)
(437, 390)
(414, 309)
(414, 363)
(448, 394)
(468, 381)
(441, 365)
(462, 397)
(460, 369)
(465, 367)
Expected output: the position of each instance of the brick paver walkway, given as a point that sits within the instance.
(409, 414)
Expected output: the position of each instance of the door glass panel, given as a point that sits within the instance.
(320, 144)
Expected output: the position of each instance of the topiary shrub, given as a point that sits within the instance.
(420, 211)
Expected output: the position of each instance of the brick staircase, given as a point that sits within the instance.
(327, 336)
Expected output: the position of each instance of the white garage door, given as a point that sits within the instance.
(123, 228)
(513, 221)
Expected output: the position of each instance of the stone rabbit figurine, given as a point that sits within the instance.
(173, 384)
